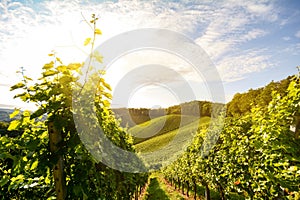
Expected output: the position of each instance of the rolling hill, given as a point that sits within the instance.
(4, 114)
(160, 150)
(159, 126)
(185, 131)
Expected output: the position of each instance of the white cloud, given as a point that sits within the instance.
(31, 30)
(235, 67)
(286, 38)
(293, 49)
(253, 34)
(298, 34)
(232, 26)
(170, 62)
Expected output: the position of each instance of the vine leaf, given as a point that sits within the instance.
(98, 31)
(14, 125)
(87, 41)
(15, 113)
(17, 86)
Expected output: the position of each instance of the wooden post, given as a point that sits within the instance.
(58, 170)
(188, 188)
(136, 195)
(195, 189)
(221, 191)
(182, 189)
(207, 192)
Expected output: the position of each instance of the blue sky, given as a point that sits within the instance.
(250, 42)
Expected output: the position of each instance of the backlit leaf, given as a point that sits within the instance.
(98, 31)
(14, 125)
(27, 78)
(62, 68)
(18, 85)
(58, 60)
(87, 41)
(49, 65)
(15, 113)
(49, 73)
(34, 165)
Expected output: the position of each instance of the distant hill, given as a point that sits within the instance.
(184, 132)
(159, 126)
(169, 144)
(132, 116)
(4, 114)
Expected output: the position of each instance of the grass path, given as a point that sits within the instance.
(158, 189)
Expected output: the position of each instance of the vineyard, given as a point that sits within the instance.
(257, 155)
(43, 156)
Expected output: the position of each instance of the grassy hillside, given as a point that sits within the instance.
(159, 126)
(181, 134)
(168, 146)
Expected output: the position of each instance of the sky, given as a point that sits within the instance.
(250, 44)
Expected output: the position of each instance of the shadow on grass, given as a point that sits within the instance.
(154, 192)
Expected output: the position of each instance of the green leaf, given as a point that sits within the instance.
(25, 96)
(107, 95)
(15, 113)
(98, 31)
(47, 180)
(4, 180)
(74, 66)
(32, 145)
(58, 60)
(37, 113)
(25, 159)
(17, 86)
(107, 86)
(49, 73)
(14, 125)
(87, 41)
(65, 80)
(48, 65)
(26, 113)
(34, 165)
(27, 78)
(18, 178)
(61, 68)
(31, 88)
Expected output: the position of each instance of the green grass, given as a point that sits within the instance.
(157, 190)
(159, 126)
